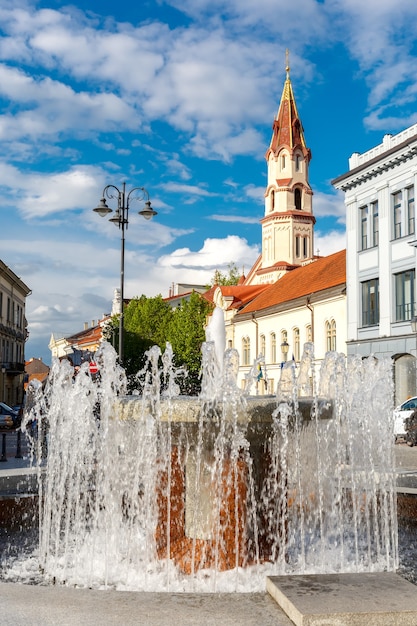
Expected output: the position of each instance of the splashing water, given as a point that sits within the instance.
(161, 492)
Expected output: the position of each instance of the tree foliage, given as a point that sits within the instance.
(148, 318)
(231, 277)
(186, 336)
(146, 323)
(152, 321)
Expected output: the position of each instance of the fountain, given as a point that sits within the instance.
(155, 491)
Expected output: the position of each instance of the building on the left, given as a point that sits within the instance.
(13, 334)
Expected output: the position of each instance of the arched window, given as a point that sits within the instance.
(309, 333)
(298, 160)
(305, 247)
(331, 336)
(272, 200)
(283, 161)
(297, 246)
(296, 343)
(246, 351)
(273, 348)
(297, 198)
(284, 345)
(263, 346)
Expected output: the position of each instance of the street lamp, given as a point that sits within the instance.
(121, 219)
(284, 349)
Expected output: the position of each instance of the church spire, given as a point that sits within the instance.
(287, 129)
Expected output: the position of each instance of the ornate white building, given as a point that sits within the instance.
(381, 254)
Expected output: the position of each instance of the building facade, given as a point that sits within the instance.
(290, 296)
(13, 334)
(306, 305)
(379, 193)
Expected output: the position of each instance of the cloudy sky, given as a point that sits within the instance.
(177, 96)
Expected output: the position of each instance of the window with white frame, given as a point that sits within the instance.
(330, 336)
(410, 210)
(374, 223)
(273, 348)
(296, 343)
(370, 302)
(263, 345)
(404, 295)
(369, 226)
(246, 351)
(364, 227)
(397, 206)
(403, 211)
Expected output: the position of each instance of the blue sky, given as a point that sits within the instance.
(177, 96)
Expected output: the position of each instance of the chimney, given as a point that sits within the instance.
(85, 325)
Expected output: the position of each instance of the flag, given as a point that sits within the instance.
(260, 374)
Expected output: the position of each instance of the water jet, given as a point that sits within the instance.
(162, 492)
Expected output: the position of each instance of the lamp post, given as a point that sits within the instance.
(121, 219)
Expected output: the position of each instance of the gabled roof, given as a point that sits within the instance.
(89, 335)
(238, 295)
(324, 273)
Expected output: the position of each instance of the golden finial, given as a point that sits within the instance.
(287, 63)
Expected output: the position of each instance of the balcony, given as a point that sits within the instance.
(12, 369)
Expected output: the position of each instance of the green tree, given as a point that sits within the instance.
(232, 277)
(186, 335)
(146, 323)
(149, 318)
(152, 321)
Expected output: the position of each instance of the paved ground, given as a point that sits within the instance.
(22, 605)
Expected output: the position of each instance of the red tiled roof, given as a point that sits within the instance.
(241, 294)
(287, 127)
(87, 336)
(324, 273)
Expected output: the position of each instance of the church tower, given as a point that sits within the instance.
(288, 223)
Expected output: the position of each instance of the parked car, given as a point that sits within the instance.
(9, 418)
(410, 425)
(401, 413)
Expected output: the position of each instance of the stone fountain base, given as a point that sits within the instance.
(374, 599)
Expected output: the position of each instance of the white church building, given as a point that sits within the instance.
(290, 296)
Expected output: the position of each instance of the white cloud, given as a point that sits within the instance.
(330, 242)
(215, 254)
(192, 190)
(241, 219)
(330, 205)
